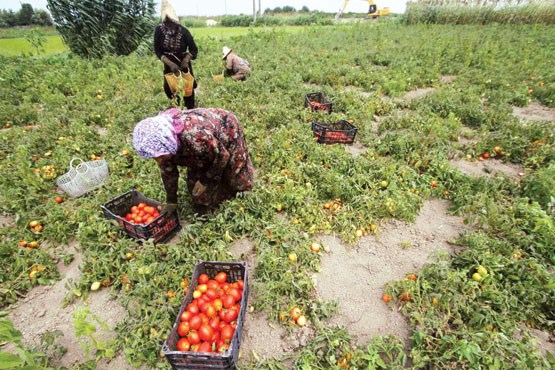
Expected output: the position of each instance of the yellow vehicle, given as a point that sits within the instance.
(373, 11)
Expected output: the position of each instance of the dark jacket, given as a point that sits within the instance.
(186, 45)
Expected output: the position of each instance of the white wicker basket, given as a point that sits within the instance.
(83, 177)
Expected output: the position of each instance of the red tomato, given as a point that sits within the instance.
(205, 347)
(227, 333)
(222, 347)
(194, 348)
(141, 205)
(235, 293)
(193, 308)
(183, 345)
(212, 284)
(221, 277)
(211, 294)
(215, 323)
(203, 279)
(134, 209)
(240, 284)
(195, 322)
(228, 300)
(183, 329)
(185, 316)
(205, 332)
(229, 315)
(193, 337)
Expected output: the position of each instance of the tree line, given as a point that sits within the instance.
(26, 16)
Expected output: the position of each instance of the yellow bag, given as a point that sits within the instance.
(179, 80)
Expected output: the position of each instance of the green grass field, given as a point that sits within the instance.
(11, 45)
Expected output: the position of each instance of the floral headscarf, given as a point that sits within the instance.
(157, 136)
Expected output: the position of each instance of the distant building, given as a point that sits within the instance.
(211, 22)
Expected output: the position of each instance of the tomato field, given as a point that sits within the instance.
(475, 308)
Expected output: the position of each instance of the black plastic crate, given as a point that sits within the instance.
(163, 226)
(198, 360)
(317, 102)
(342, 132)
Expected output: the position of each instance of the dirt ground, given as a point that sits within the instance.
(489, 168)
(42, 311)
(375, 260)
(535, 112)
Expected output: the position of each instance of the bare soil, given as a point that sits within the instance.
(399, 248)
(42, 311)
(489, 168)
(535, 112)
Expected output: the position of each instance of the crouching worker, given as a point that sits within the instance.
(236, 67)
(209, 142)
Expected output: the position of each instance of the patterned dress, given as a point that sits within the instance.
(212, 147)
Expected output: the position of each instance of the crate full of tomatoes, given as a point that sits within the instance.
(317, 102)
(142, 217)
(341, 131)
(207, 331)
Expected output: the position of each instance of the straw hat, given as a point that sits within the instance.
(225, 52)
(167, 11)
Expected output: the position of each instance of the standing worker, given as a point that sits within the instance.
(175, 47)
(237, 67)
(209, 142)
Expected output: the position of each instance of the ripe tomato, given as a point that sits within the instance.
(240, 284)
(235, 293)
(193, 308)
(222, 347)
(203, 279)
(205, 347)
(228, 300)
(386, 298)
(210, 311)
(226, 333)
(295, 313)
(141, 205)
(183, 328)
(215, 323)
(213, 284)
(218, 304)
(195, 322)
(183, 345)
(206, 332)
(229, 315)
(134, 209)
(185, 316)
(211, 294)
(221, 277)
(193, 337)
(59, 200)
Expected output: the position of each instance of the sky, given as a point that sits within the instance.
(221, 7)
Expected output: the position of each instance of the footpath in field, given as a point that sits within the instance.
(354, 276)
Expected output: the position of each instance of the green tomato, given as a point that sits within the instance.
(476, 276)
(482, 270)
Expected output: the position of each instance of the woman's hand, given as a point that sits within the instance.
(198, 189)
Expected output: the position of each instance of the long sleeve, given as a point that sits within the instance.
(217, 156)
(158, 42)
(170, 178)
(190, 42)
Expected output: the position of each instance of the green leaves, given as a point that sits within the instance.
(94, 28)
